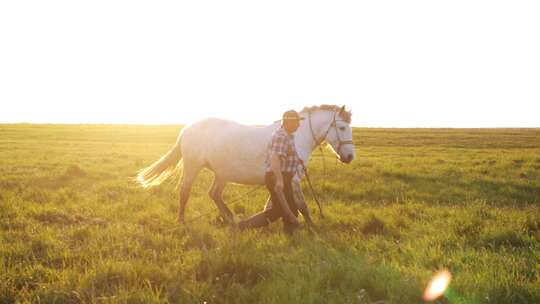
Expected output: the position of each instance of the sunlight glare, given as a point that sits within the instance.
(437, 285)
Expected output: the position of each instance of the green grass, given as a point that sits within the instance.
(75, 228)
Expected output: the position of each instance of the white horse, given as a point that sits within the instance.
(236, 153)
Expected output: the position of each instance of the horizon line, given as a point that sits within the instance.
(257, 125)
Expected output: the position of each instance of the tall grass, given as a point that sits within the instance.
(75, 228)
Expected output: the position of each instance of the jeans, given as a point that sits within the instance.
(275, 211)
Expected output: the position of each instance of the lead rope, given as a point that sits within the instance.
(319, 144)
(313, 193)
(324, 167)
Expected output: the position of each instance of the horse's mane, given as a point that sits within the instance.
(345, 115)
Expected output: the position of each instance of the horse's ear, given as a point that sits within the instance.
(342, 110)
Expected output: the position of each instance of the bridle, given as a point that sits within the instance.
(318, 143)
(333, 124)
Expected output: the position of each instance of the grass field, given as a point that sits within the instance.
(74, 227)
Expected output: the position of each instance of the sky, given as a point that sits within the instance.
(394, 63)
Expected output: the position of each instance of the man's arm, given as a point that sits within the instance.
(275, 165)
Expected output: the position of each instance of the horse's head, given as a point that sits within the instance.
(335, 129)
(340, 135)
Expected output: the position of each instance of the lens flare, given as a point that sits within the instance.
(437, 285)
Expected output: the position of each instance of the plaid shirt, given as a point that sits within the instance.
(282, 144)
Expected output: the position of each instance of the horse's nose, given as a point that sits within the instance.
(348, 158)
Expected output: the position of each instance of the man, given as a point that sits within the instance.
(282, 162)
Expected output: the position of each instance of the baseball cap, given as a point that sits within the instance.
(292, 115)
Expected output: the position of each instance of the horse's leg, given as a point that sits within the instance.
(189, 175)
(215, 193)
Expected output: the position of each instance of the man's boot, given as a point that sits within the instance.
(289, 228)
(256, 221)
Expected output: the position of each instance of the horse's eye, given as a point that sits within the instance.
(342, 128)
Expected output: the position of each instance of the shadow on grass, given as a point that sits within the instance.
(445, 190)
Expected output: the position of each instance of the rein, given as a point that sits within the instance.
(313, 190)
(318, 144)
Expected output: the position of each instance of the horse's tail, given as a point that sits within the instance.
(161, 169)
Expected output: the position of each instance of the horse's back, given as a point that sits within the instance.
(234, 151)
